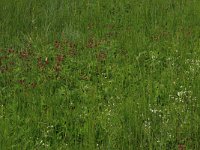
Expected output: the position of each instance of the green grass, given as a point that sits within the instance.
(100, 74)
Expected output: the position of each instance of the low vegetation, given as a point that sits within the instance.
(100, 74)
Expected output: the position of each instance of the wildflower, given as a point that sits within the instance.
(33, 85)
(24, 54)
(59, 58)
(39, 62)
(57, 44)
(46, 61)
(91, 43)
(10, 50)
(181, 147)
(101, 56)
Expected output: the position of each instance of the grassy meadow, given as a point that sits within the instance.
(100, 75)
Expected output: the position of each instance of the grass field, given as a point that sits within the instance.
(104, 74)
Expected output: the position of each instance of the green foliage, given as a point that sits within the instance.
(99, 74)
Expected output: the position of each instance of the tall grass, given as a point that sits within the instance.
(99, 74)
